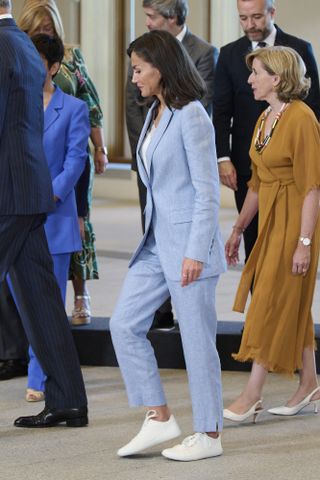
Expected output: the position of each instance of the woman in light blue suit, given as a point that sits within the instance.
(181, 253)
(66, 132)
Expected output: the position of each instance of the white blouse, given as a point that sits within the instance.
(145, 145)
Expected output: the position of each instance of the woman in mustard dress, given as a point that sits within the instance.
(278, 334)
(42, 16)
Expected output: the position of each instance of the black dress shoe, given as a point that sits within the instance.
(50, 417)
(162, 321)
(13, 368)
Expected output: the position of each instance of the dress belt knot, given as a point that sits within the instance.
(278, 183)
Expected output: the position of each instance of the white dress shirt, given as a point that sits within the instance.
(181, 35)
(270, 40)
(5, 15)
(145, 145)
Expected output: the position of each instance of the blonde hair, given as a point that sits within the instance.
(33, 13)
(289, 66)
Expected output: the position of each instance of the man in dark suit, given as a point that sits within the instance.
(235, 111)
(25, 198)
(167, 15)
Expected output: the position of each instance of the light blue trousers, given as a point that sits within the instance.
(144, 290)
(36, 376)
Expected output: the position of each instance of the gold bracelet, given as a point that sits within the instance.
(101, 149)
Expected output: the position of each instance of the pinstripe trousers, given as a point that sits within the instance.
(36, 376)
(25, 256)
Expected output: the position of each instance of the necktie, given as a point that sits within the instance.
(262, 44)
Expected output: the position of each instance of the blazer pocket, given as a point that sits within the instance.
(181, 216)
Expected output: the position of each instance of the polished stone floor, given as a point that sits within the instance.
(273, 448)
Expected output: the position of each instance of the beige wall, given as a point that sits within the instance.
(98, 48)
(302, 19)
(224, 25)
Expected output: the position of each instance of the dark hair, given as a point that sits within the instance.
(180, 81)
(169, 8)
(51, 48)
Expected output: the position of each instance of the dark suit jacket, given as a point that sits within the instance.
(25, 183)
(203, 55)
(235, 111)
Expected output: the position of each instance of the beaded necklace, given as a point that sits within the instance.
(261, 145)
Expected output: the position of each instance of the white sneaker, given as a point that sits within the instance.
(152, 433)
(195, 447)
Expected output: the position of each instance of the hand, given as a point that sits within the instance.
(100, 162)
(228, 174)
(191, 271)
(232, 248)
(301, 260)
(81, 227)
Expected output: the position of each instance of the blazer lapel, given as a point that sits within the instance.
(160, 130)
(52, 111)
(158, 134)
(245, 46)
(187, 40)
(280, 37)
(140, 164)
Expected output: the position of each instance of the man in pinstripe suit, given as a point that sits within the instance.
(25, 198)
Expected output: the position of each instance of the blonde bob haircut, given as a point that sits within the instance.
(35, 11)
(288, 65)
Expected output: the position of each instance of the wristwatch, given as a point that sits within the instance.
(305, 241)
(101, 149)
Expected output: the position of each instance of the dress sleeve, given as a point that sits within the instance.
(86, 90)
(306, 153)
(254, 182)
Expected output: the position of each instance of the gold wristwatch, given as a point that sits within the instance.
(305, 241)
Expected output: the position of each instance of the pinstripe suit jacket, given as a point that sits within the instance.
(25, 183)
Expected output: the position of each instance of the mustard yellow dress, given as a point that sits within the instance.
(279, 324)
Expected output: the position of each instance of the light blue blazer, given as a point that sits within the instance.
(66, 132)
(183, 191)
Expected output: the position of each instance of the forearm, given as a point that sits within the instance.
(309, 213)
(97, 136)
(81, 191)
(248, 211)
(100, 151)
